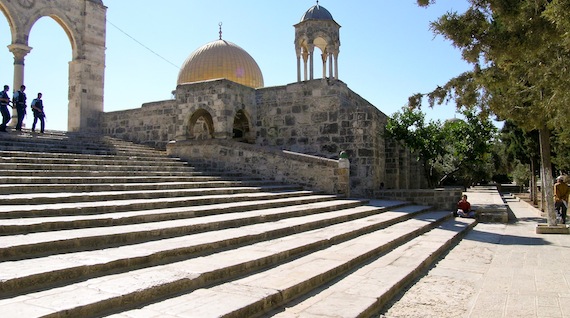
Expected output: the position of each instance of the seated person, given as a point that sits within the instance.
(464, 208)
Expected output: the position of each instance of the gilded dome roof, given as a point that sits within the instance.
(221, 59)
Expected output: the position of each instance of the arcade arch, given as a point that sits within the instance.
(242, 127)
(84, 23)
(200, 125)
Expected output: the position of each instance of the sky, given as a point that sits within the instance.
(387, 52)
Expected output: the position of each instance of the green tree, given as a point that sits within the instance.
(520, 50)
(468, 145)
(458, 150)
(409, 126)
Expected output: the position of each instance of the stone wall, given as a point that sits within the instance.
(153, 124)
(319, 118)
(313, 173)
(440, 198)
(324, 118)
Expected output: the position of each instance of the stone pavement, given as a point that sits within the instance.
(497, 270)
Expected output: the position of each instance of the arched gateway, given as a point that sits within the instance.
(84, 22)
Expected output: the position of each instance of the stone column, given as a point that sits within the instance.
(324, 60)
(305, 67)
(336, 64)
(20, 51)
(311, 60)
(331, 74)
(298, 51)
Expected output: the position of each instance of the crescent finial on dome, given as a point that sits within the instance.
(220, 25)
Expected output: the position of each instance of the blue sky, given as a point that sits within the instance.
(387, 50)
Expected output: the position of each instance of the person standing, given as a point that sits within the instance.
(19, 101)
(4, 101)
(561, 198)
(38, 109)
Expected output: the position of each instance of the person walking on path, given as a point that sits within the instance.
(561, 198)
(464, 208)
(4, 102)
(19, 101)
(38, 109)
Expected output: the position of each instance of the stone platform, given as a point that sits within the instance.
(488, 203)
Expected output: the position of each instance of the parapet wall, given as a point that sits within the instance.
(440, 198)
(314, 173)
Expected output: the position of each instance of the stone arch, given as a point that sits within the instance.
(84, 22)
(242, 127)
(323, 34)
(200, 125)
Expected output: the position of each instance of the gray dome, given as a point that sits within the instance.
(317, 12)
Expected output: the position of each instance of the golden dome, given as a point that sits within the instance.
(221, 59)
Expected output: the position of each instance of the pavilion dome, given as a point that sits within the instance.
(221, 59)
(317, 12)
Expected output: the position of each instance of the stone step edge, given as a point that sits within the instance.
(393, 278)
(225, 238)
(86, 239)
(143, 156)
(16, 181)
(97, 207)
(44, 188)
(31, 199)
(159, 288)
(38, 225)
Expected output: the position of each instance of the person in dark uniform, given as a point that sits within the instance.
(19, 102)
(38, 109)
(4, 101)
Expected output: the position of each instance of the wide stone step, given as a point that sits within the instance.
(97, 207)
(112, 293)
(32, 181)
(64, 148)
(93, 167)
(73, 144)
(54, 223)
(391, 273)
(279, 222)
(94, 160)
(93, 173)
(39, 143)
(16, 247)
(22, 187)
(138, 156)
(97, 196)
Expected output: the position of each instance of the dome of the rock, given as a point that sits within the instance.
(221, 59)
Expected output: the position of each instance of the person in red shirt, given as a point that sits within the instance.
(464, 208)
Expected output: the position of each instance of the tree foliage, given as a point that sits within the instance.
(456, 150)
(520, 52)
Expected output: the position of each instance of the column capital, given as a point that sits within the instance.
(20, 51)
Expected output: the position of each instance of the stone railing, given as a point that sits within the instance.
(440, 198)
(315, 173)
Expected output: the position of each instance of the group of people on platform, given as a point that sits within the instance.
(18, 102)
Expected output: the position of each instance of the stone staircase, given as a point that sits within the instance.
(97, 227)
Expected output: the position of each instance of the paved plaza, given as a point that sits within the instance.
(497, 270)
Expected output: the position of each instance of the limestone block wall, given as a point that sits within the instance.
(314, 173)
(222, 99)
(318, 118)
(152, 124)
(324, 118)
(440, 198)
